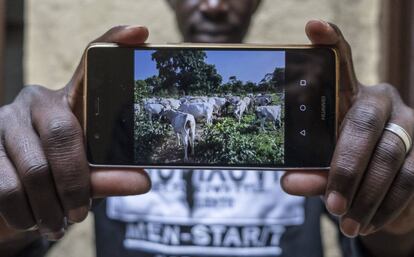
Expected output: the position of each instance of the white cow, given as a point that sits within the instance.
(184, 99)
(248, 102)
(262, 100)
(151, 100)
(239, 109)
(194, 99)
(184, 127)
(173, 103)
(198, 110)
(271, 112)
(154, 109)
(233, 99)
(218, 104)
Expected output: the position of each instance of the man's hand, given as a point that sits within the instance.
(371, 181)
(45, 180)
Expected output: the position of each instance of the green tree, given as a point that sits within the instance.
(153, 84)
(141, 90)
(183, 70)
(273, 81)
(236, 84)
(266, 83)
(250, 87)
(278, 79)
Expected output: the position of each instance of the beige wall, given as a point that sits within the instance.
(58, 31)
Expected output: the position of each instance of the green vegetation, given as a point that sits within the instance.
(147, 136)
(226, 141)
(187, 73)
(230, 142)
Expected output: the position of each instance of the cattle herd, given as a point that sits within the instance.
(184, 113)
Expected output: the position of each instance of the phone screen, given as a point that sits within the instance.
(211, 107)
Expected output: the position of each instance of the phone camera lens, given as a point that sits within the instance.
(96, 136)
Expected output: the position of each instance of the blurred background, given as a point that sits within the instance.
(43, 41)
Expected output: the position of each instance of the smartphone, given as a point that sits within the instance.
(211, 106)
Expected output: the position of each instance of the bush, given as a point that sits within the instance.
(227, 141)
(147, 137)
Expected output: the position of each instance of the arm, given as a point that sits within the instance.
(45, 180)
(371, 181)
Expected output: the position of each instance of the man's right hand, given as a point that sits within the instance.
(45, 179)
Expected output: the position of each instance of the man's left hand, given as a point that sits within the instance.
(371, 181)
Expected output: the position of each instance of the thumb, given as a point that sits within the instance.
(110, 182)
(324, 33)
(122, 35)
(305, 183)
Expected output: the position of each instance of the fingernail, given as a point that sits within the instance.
(350, 227)
(336, 203)
(324, 22)
(55, 236)
(367, 231)
(134, 26)
(35, 227)
(77, 215)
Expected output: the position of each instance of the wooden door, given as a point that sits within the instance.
(397, 63)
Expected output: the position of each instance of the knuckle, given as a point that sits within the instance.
(34, 170)
(410, 113)
(406, 183)
(344, 170)
(10, 192)
(368, 116)
(390, 151)
(6, 112)
(74, 191)
(386, 92)
(384, 88)
(61, 130)
(29, 92)
(390, 90)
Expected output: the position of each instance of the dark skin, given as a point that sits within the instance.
(46, 182)
(214, 21)
(43, 164)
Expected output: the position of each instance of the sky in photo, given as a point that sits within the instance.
(245, 65)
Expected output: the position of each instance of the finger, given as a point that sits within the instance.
(385, 163)
(123, 35)
(62, 141)
(400, 192)
(24, 149)
(14, 206)
(323, 33)
(109, 182)
(396, 202)
(305, 183)
(361, 130)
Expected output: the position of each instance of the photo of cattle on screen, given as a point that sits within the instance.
(185, 111)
